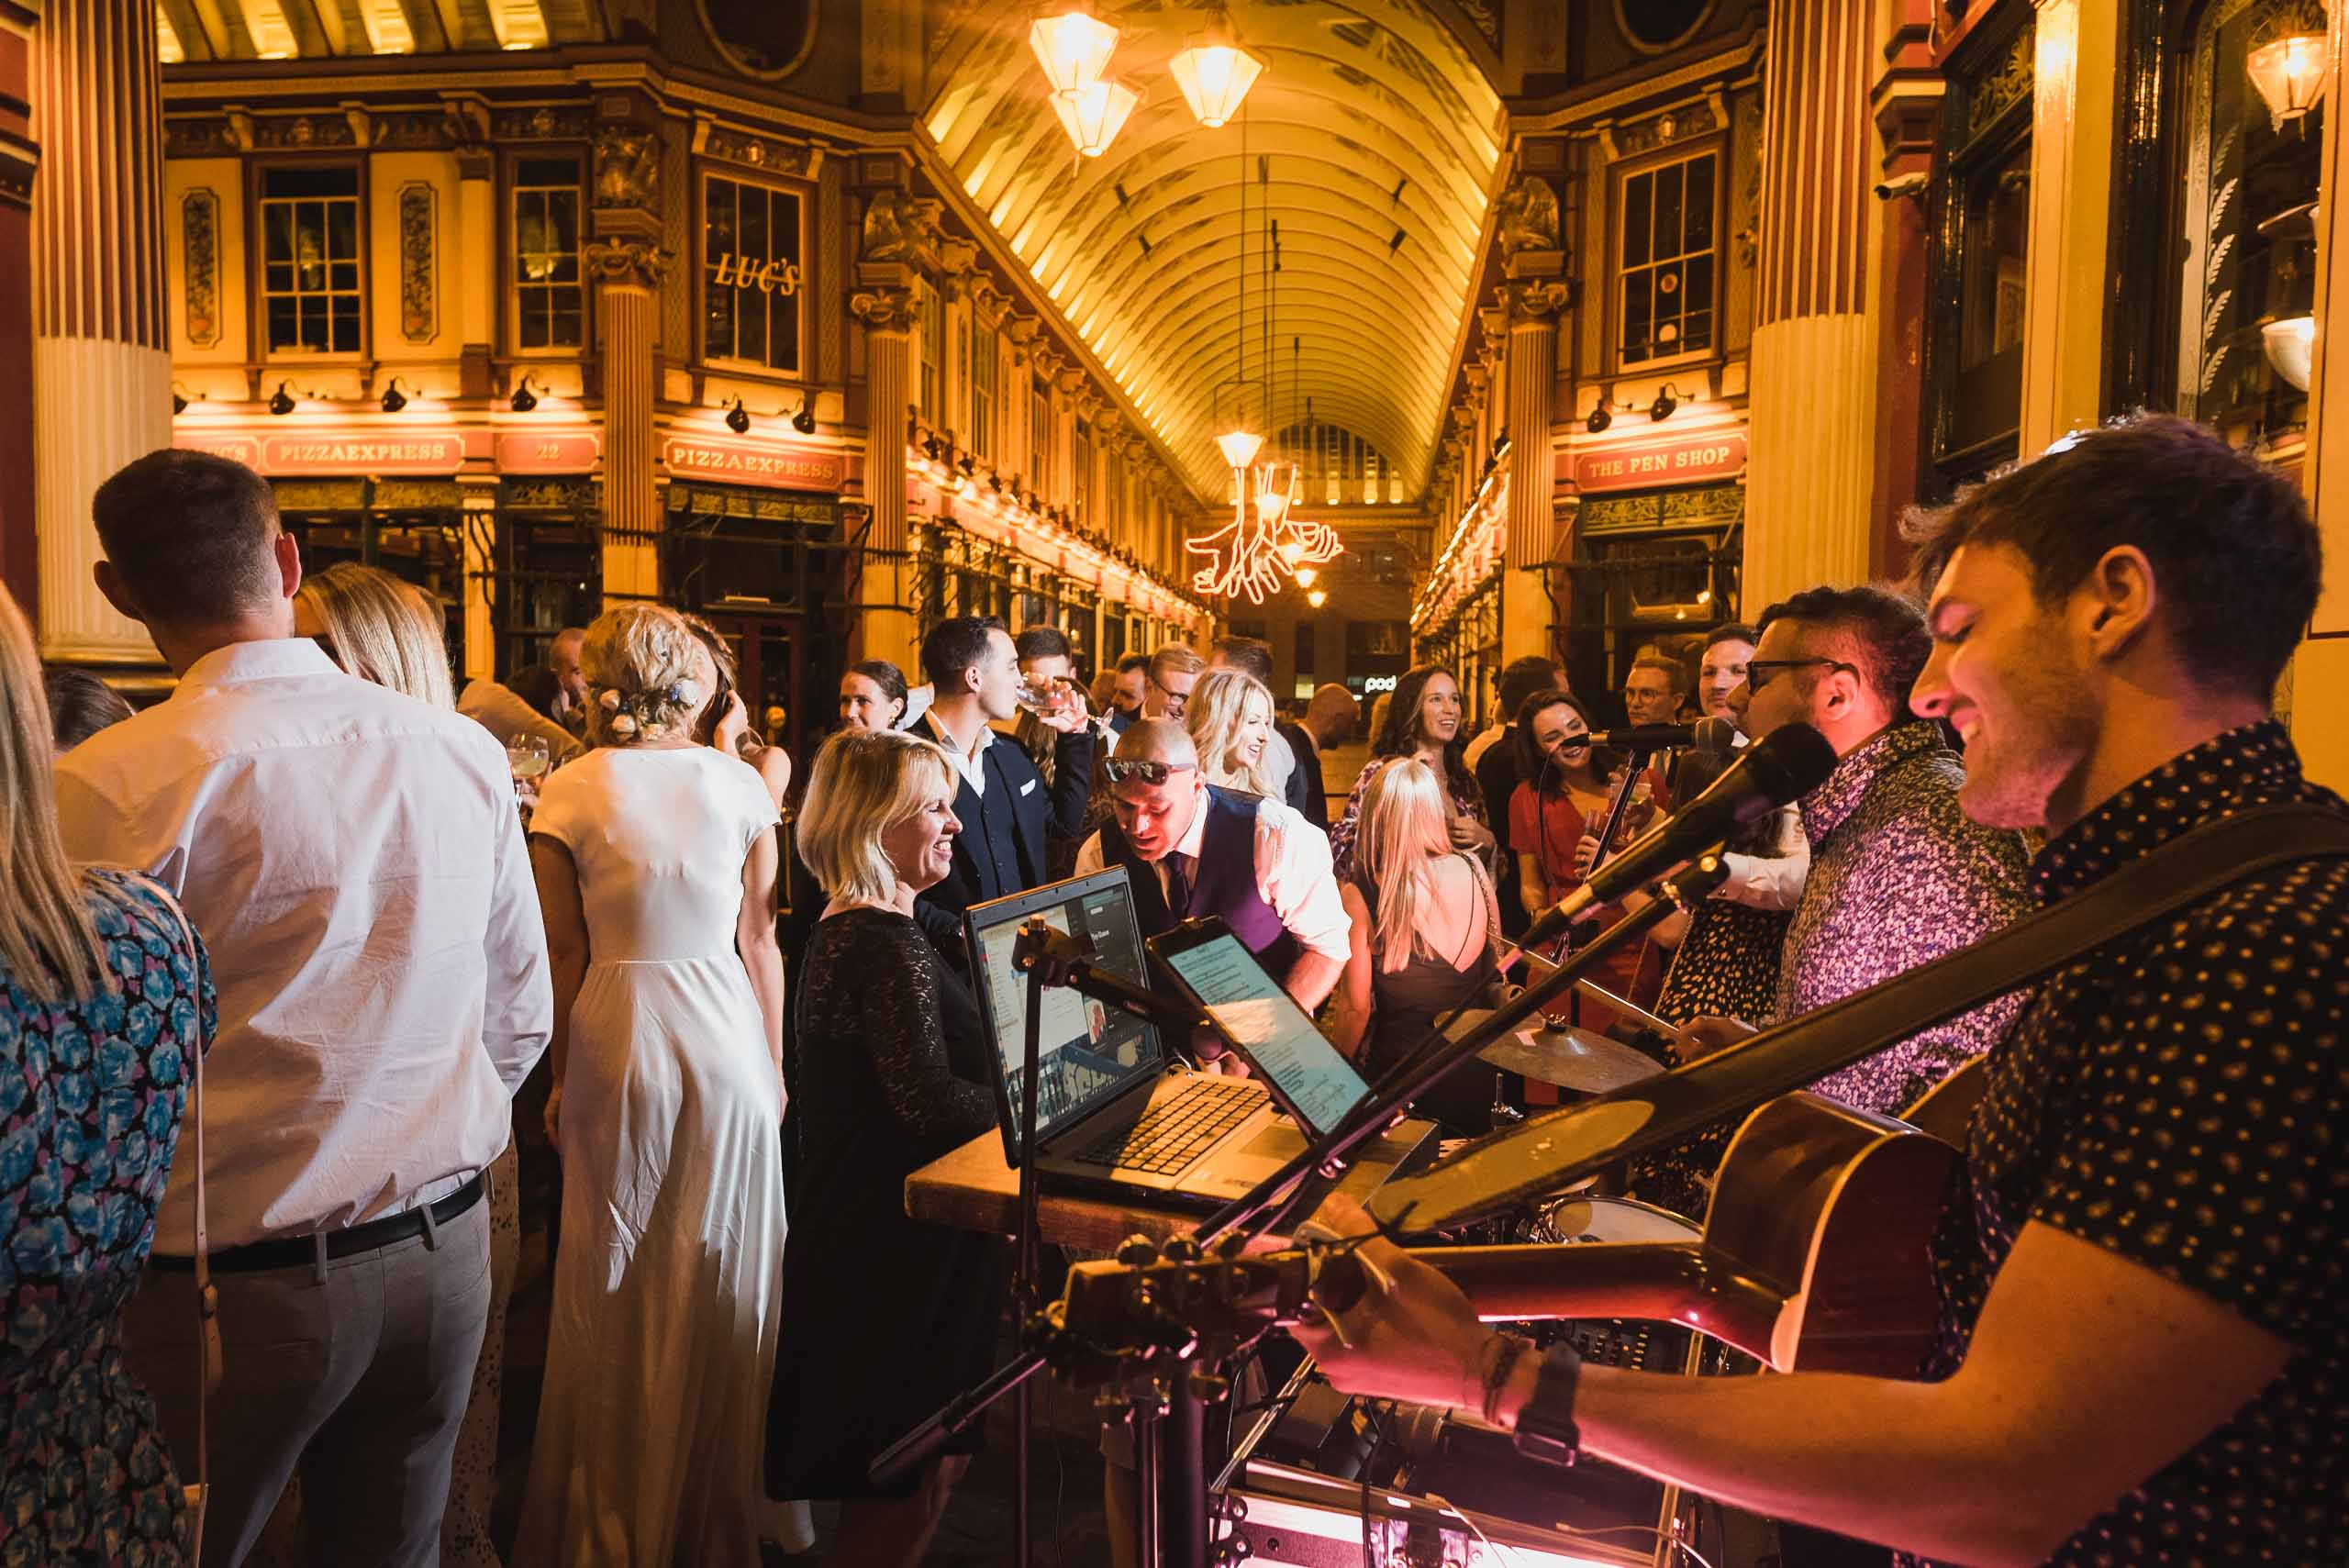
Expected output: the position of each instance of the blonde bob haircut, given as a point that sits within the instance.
(1220, 704)
(49, 943)
(381, 629)
(640, 664)
(865, 783)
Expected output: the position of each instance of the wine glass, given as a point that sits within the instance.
(526, 758)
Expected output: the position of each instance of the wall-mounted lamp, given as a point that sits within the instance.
(1665, 402)
(393, 399)
(737, 419)
(805, 421)
(1601, 417)
(281, 401)
(524, 399)
(179, 398)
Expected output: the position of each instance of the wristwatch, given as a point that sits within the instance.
(1545, 1425)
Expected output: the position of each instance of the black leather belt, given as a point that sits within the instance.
(302, 1252)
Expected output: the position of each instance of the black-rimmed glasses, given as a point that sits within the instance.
(1146, 773)
(1759, 673)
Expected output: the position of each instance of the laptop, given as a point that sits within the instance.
(1117, 1110)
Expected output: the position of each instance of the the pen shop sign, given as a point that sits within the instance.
(1708, 458)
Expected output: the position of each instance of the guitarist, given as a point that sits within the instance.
(2142, 1271)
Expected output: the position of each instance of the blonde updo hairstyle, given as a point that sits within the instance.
(639, 663)
(382, 629)
(1218, 706)
(865, 783)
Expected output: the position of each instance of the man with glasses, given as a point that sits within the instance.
(1899, 875)
(1174, 670)
(1194, 850)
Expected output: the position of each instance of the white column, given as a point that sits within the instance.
(102, 364)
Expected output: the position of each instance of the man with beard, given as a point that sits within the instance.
(2141, 1268)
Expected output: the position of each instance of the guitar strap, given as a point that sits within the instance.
(1547, 1152)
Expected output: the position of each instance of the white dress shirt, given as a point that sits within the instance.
(971, 763)
(1489, 737)
(1770, 882)
(1293, 874)
(354, 859)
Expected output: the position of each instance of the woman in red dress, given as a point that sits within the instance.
(1569, 788)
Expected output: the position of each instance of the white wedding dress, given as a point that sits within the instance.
(669, 1277)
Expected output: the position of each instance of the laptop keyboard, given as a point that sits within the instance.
(1171, 1133)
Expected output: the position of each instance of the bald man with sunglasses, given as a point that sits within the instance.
(1195, 850)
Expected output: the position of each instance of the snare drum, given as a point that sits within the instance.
(1585, 1217)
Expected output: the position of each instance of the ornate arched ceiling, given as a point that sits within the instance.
(1370, 120)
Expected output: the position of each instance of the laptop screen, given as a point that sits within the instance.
(1088, 1051)
(1226, 980)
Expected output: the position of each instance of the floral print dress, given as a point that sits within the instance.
(91, 1095)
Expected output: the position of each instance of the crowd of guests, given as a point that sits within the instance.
(381, 955)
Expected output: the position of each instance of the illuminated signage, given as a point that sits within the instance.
(745, 462)
(571, 453)
(1688, 460)
(424, 452)
(1379, 683)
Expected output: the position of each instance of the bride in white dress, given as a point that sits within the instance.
(655, 860)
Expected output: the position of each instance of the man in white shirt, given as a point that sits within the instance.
(1192, 850)
(354, 859)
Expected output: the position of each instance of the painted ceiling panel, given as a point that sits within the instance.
(1368, 123)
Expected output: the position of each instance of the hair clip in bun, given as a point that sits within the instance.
(685, 692)
(623, 725)
(610, 698)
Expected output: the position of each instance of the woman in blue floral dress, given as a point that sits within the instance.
(103, 997)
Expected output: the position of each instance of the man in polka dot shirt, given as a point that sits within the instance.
(2142, 1268)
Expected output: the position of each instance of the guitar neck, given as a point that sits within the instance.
(1678, 1281)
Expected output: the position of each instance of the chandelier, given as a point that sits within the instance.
(1074, 47)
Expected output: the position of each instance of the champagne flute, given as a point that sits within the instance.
(526, 758)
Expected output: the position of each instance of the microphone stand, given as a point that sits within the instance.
(1173, 1464)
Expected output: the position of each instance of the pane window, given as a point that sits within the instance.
(751, 248)
(2246, 285)
(309, 222)
(1988, 391)
(933, 342)
(548, 288)
(981, 373)
(1083, 452)
(1040, 436)
(1664, 281)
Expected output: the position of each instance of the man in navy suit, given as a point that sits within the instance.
(1007, 808)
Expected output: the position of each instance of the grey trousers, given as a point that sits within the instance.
(355, 1377)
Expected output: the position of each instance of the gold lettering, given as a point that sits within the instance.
(728, 272)
(765, 277)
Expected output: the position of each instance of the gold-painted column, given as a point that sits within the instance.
(1811, 475)
(2319, 672)
(1532, 369)
(102, 364)
(886, 622)
(628, 321)
(2075, 63)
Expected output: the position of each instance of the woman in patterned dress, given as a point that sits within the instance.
(103, 996)
(1423, 721)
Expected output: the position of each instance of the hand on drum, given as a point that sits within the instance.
(1411, 1335)
(1701, 1038)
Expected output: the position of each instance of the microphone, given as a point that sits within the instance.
(1713, 736)
(1789, 763)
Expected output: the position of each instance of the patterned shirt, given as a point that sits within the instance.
(2179, 1099)
(1899, 876)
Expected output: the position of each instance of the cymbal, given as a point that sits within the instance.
(1571, 1059)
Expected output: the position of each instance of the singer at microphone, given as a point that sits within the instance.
(1793, 760)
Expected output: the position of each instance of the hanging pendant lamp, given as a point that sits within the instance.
(1215, 72)
(1072, 46)
(1095, 113)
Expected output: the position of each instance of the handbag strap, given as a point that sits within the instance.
(1550, 1151)
(209, 1363)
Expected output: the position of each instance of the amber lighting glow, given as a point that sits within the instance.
(1074, 48)
(1095, 113)
(1214, 74)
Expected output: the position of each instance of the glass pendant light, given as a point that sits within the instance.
(1095, 113)
(1073, 46)
(2289, 74)
(1215, 72)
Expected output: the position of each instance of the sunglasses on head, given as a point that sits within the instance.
(1146, 773)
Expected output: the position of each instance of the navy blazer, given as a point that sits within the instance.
(1002, 848)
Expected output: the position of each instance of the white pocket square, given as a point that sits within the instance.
(1029, 787)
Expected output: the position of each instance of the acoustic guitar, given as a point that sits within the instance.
(1814, 1254)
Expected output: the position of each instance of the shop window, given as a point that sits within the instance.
(981, 367)
(310, 289)
(1082, 487)
(550, 297)
(933, 344)
(751, 248)
(2246, 284)
(1988, 394)
(1664, 286)
(1305, 665)
(1113, 512)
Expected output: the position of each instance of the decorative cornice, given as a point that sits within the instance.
(988, 303)
(626, 263)
(1532, 300)
(1049, 362)
(628, 169)
(887, 310)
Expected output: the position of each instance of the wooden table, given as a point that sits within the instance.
(974, 1189)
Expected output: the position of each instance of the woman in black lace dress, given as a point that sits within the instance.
(885, 1318)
